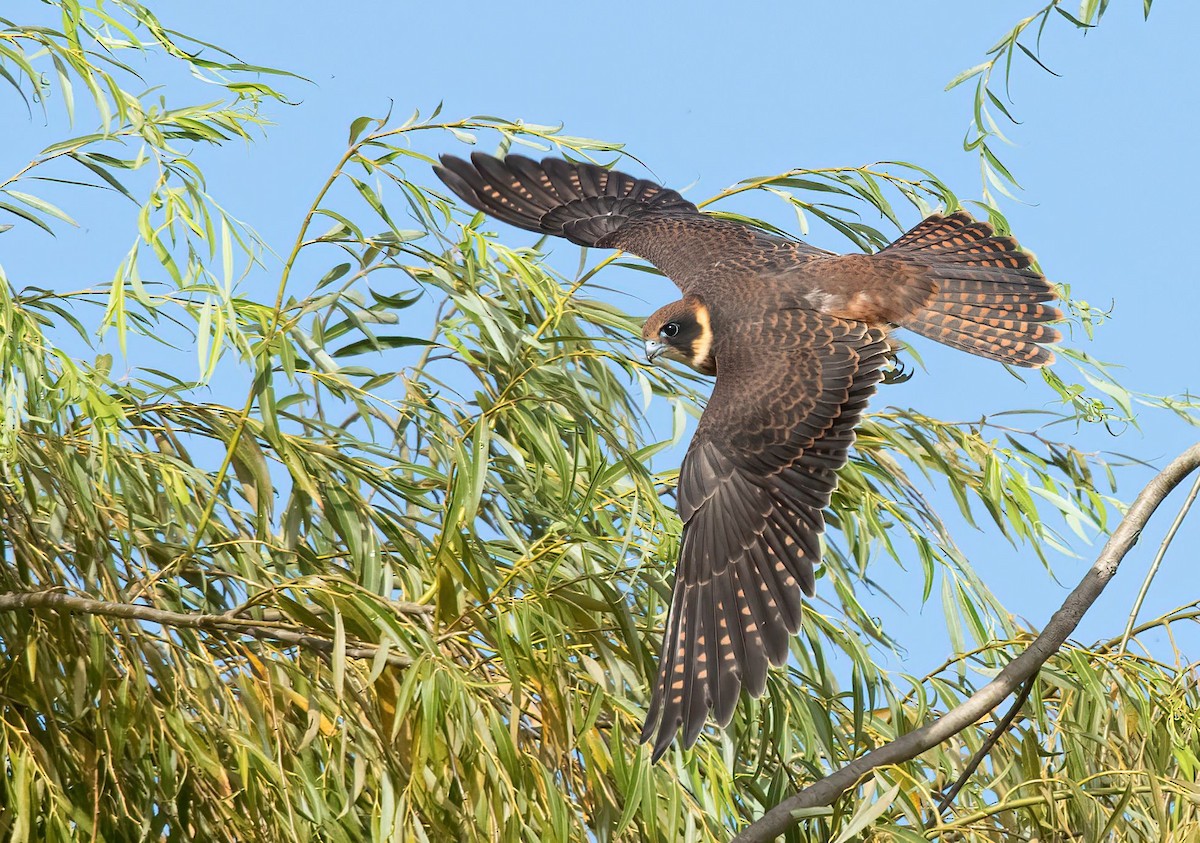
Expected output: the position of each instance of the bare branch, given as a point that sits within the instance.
(977, 759)
(33, 600)
(1187, 612)
(823, 792)
(1158, 558)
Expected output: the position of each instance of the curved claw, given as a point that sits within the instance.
(898, 373)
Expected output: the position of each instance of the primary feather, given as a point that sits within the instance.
(797, 338)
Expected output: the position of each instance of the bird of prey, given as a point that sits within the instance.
(797, 339)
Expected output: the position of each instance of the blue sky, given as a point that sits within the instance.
(707, 94)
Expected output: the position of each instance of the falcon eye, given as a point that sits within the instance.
(670, 329)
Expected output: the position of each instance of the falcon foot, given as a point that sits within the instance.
(898, 373)
(791, 386)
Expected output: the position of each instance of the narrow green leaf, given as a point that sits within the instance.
(969, 73)
(866, 815)
(41, 205)
(357, 127)
(379, 343)
(1039, 62)
(26, 215)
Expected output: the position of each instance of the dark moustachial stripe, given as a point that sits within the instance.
(797, 338)
(751, 496)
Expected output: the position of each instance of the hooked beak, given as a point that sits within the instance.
(654, 350)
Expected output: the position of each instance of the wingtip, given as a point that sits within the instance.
(1044, 358)
(662, 733)
(666, 737)
(478, 157)
(693, 730)
(756, 682)
(448, 173)
(514, 157)
(647, 730)
(724, 716)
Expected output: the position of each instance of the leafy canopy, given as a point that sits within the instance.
(387, 558)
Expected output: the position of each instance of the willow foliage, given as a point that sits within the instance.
(390, 561)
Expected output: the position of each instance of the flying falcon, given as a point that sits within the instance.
(797, 338)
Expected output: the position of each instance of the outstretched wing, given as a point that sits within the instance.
(761, 468)
(592, 206)
(581, 202)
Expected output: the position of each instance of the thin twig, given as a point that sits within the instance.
(58, 601)
(823, 792)
(243, 418)
(1186, 612)
(1158, 558)
(982, 752)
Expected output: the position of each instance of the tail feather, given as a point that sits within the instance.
(988, 299)
(936, 232)
(582, 202)
(970, 279)
(1022, 316)
(991, 298)
(1006, 340)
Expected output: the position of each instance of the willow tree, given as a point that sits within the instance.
(384, 556)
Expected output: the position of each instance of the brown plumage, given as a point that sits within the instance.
(797, 339)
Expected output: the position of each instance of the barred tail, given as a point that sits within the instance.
(988, 300)
(581, 202)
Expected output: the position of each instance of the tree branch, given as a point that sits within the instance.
(982, 753)
(823, 792)
(33, 600)
(1158, 558)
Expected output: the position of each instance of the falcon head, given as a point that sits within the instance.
(681, 331)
